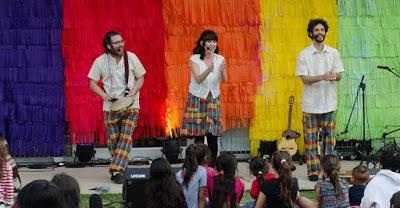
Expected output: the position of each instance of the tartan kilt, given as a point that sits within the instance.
(202, 116)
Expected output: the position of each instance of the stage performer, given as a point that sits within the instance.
(319, 67)
(202, 116)
(119, 124)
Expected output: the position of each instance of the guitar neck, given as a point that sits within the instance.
(290, 117)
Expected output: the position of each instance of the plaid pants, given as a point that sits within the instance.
(120, 127)
(202, 116)
(312, 123)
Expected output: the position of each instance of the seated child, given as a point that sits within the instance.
(360, 178)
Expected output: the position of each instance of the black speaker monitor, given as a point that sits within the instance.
(134, 185)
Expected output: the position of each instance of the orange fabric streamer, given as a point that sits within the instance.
(237, 25)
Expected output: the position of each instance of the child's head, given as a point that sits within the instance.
(193, 158)
(207, 160)
(395, 200)
(3, 155)
(226, 163)
(162, 189)
(389, 160)
(69, 187)
(160, 169)
(40, 194)
(281, 160)
(3, 150)
(224, 183)
(258, 166)
(282, 163)
(330, 166)
(360, 175)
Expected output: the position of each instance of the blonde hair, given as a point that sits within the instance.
(3, 155)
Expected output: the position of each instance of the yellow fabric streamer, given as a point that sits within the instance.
(283, 34)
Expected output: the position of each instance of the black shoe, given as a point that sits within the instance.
(313, 177)
(118, 178)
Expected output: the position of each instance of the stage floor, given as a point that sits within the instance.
(91, 177)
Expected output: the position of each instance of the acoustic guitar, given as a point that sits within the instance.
(288, 136)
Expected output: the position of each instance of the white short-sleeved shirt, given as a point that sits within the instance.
(112, 75)
(211, 83)
(319, 97)
(191, 192)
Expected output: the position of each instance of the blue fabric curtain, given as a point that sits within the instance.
(32, 77)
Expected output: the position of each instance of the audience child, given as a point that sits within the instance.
(226, 189)
(6, 176)
(207, 163)
(69, 188)
(193, 177)
(39, 194)
(385, 183)
(395, 200)
(260, 169)
(162, 190)
(331, 191)
(360, 178)
(283, 190)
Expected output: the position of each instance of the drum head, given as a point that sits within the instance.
(122, 103)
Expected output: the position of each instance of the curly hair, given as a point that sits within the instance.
(315, 22)
(107, 39)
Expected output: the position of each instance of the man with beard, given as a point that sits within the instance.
(319, 67)
(110, 68)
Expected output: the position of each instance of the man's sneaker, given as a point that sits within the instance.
(117, 177)
(313, 177)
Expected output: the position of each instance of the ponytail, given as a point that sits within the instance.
(285, 183)
(224, 184)
(334, 177)
(282, 163)
(330, 165)
(190, 164)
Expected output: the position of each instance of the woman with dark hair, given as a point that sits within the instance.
(69, 188)
(39, 194)
(202, 115)
(226, 189)
(163, 191)
(193, 176)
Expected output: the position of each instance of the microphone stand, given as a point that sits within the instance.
(360, 147)
(360, 86)
(384, 138)
(391, 70)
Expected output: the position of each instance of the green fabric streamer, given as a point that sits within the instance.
(369, 35)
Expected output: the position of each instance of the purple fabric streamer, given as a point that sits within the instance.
(32, 77)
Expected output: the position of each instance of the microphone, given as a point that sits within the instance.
(208, 47)
(342, 132)
(102, 189)
(95, 201)
(383, 67)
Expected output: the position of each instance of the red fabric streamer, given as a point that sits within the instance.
(142, 27)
